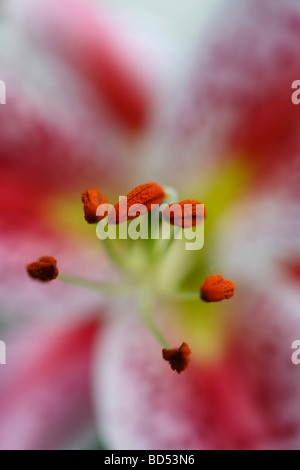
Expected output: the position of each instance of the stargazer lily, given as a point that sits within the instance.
(143, 344)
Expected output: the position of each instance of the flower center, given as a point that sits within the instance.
(145, 234)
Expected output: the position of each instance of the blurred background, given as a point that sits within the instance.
(195, 95)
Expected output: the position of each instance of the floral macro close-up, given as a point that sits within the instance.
(150, 225)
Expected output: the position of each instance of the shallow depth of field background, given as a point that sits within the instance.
(192, 94)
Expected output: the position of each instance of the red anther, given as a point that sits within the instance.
(216, 288)
(185, 214)
(92, 199)
(178, 358)
(141, 197)
(45, 269)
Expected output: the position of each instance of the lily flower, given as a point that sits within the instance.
(141, 341)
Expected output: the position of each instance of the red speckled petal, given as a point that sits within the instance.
(45, 387)
(240, 92)
(248, 399)
(92, 44)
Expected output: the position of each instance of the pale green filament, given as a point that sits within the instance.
(142, 262)
(104, 288)
(145, 311)
(184, 296)
(113, 253)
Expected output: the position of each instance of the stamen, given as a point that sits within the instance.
(144, 196)
(45, 269)
(178, 358)
(185, 214)
(216, 288)
(92, 199)
(142, 278)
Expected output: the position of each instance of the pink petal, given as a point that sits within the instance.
(94, 47)
(23, 299)
(51, 148)
(240, 93)
(45, 387)
(248, 399)
(260, 241)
